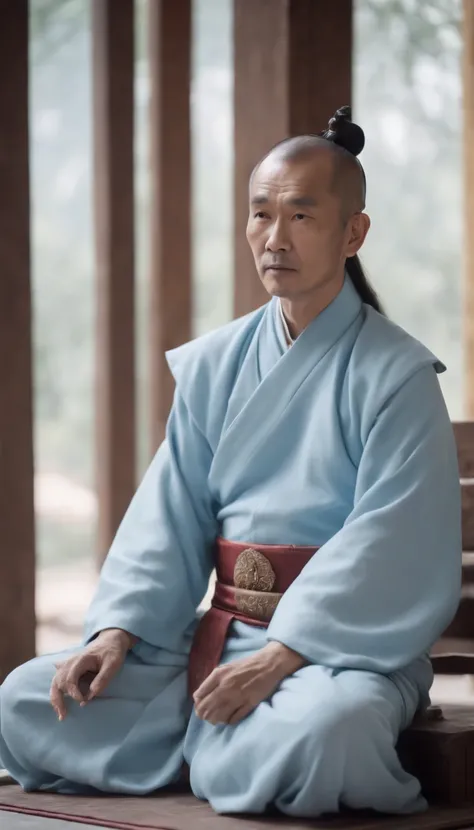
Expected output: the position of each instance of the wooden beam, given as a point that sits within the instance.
(169, 26)
(468, 76)
(17, 547)
(292, 65)
(113, 77)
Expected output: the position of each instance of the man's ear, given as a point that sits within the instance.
(359, 228)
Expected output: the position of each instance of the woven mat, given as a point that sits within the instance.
(179, 810)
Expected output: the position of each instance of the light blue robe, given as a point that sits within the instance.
(341, 441)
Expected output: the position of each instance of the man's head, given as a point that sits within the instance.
(307, 197)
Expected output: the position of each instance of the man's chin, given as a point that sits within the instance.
(280, 283)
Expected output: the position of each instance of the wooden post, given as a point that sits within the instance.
(292, 62)
(17, 536)
(169, 26)
(113, 76)
(468, 73)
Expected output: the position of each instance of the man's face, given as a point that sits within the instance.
(295, 227)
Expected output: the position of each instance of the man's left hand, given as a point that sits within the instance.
(233, 690)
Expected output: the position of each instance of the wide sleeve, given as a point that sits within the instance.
(381, 591)
(158, 568)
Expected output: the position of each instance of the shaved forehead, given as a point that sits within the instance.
(345, 174)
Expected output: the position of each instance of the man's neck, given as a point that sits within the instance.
(299, 312)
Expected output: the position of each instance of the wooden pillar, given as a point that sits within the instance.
(468, 305)
(17, 542)
(113, 78)
(292, 65)
(169, 26)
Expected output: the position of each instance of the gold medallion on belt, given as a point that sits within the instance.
(254, 580)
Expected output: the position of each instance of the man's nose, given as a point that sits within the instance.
(278, 239)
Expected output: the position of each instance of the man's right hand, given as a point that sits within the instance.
(86, 674)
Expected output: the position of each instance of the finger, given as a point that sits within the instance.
(86, 663)
(204, 709)
(73, 692)
(85, 684)
(78, 669)
(240, 714)
(218, 707)
(57, 700)
(218, 716)
(216, 694)
(201, 712)
(204, 706)
(209, 715)
(70, 688)
(208, 685)
(103, 678)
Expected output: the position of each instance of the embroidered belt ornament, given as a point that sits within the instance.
(254, 580)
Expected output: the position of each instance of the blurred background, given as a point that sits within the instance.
(407, 88)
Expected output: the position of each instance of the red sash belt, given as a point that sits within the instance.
(251, 579)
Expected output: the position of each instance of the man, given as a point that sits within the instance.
(311, 439)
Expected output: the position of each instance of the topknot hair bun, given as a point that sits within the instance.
(342, 131)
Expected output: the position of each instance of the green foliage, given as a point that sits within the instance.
(53, 25)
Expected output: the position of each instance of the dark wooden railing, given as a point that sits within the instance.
(169, 38)
(454, 653)
(113, 79)
(17, 539)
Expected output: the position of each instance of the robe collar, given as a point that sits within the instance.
(271, 375)
(289, 340)
(337, 315)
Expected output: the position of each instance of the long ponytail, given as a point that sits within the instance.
(344, 133)
(362, 285)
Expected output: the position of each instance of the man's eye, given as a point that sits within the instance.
(300, 216)
(260, 214)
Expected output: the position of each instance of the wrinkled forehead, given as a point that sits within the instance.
(312, 175)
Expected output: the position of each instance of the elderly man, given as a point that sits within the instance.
(309, 457)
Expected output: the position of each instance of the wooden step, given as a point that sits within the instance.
(468, 568)
(463, 624)
(453, 655)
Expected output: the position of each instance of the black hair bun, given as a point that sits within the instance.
(342, 131)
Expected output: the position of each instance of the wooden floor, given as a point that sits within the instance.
(14, 821)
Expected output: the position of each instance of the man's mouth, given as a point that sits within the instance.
(278, 268)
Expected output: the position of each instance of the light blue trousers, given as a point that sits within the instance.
(325, 739)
